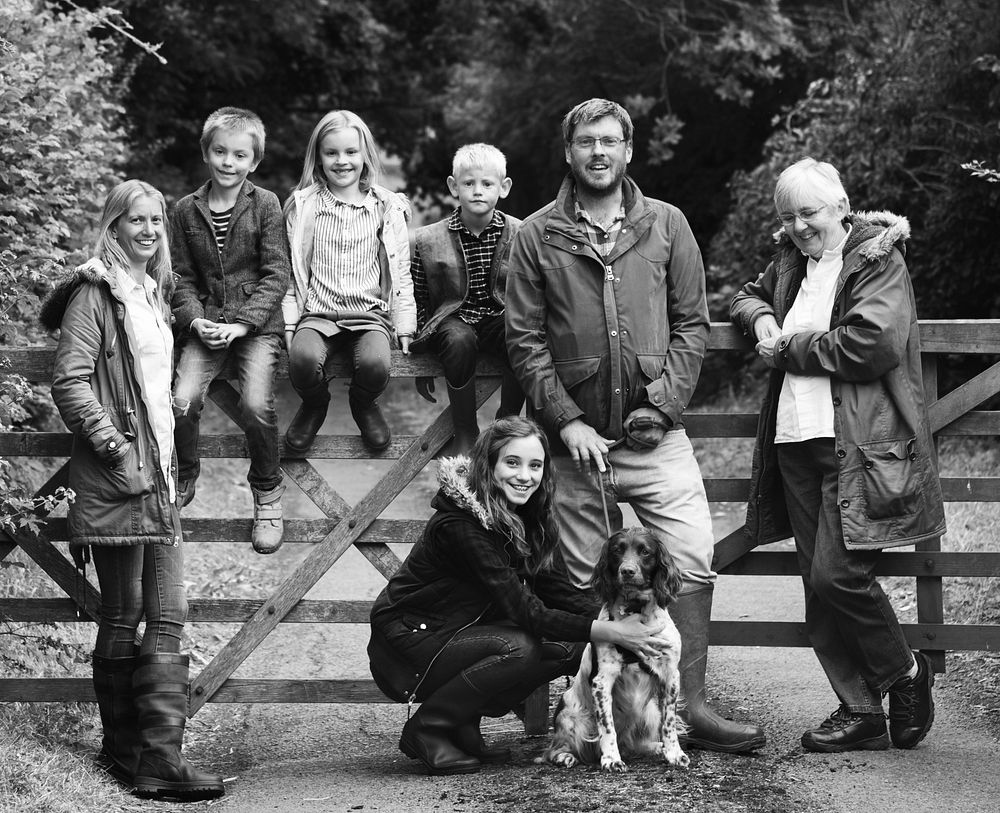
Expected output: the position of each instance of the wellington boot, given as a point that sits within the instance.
(691, 613)
(120, 747)
(161, 698)
(268, 525)
(463, 417)
(511, 396)
(307, 421)
(469, 738)
(369, 418)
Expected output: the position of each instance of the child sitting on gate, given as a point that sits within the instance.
(231, 262)
(351, 283)
(458, 271)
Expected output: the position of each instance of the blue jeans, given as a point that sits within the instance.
(502, 662)
(140, 581)
(664, 488)
(311, 351)
(849, 620)
(256, 359)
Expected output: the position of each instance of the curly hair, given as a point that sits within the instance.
(532, 528)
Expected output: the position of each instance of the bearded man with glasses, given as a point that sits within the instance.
(606, 330)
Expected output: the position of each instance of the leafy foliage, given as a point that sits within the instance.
(902, 112)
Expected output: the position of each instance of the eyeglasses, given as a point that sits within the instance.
(805, 215)
(588, 142)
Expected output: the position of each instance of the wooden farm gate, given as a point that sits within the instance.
(360, 525)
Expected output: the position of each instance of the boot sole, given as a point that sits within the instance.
(452, 771)
(187, 792)
(747, 746)
(880, 743)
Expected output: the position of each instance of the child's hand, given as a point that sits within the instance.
(425, 386)
(207, 331)
(229, 332)
(404, 345)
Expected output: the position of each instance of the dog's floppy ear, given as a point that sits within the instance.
(604, 581)
(667, 582)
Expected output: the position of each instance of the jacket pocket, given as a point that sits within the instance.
(582, 380)
(127, 478)
(651, 366)
(889, 478)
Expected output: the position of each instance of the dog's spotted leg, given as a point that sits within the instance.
(667, 690)
(609, 669)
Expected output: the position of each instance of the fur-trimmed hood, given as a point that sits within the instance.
(874, 234)
(54, 306)
(453, 477)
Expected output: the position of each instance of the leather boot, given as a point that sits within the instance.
(369, 418)
(691, 613)
(160, 682)
(308, 419)
(268, 525)
(463, 416)
(429, 734)
(511, 396)
(119, 754)
(469, 739)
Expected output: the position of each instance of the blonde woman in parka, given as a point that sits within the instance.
(111, 384)
(844, 458)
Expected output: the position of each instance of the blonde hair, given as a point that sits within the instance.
(479, 156)
(118, 204)
(312, 168)
(237, 120)
(808, 178)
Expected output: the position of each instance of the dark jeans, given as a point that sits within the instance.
(457, 344)
(503, 663)
(311, 351)
(849, 620)
(256, 359)
(140, 581)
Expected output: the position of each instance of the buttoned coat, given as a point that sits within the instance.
(595, 338)
(246, 281)
(888, 488)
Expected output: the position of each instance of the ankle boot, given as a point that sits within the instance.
(268, 524)
(369, 418)
(469, 738)
(161, 699)
(463, 416)
(691, 613)
(307, 422)
(429, 735)
(119, 754)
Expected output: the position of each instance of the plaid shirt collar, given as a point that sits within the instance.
(455, 222)
(602, 239)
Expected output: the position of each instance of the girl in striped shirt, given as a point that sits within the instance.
(350, 286)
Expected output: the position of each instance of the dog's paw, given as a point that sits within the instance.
(564, 759)
(676, 757)
(613, 765)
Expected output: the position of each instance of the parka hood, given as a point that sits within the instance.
(453, 477)
(873, 234)
(54, 307)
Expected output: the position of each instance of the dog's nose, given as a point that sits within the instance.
(626, 572)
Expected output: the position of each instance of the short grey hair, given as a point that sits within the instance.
(808, 177)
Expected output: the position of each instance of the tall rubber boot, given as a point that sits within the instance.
(691, 613)
(463, 416)
(369, 418)
(307, 421)
(429, 735)
(120, 747)
(161, 698)
(511, 396)
(268, 522)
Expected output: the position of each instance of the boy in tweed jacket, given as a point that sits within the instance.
(232, 265)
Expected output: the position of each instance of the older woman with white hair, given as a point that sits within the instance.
(844, 459)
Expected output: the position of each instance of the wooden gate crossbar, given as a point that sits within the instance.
(344, 526)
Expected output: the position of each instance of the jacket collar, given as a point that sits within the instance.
(453, 477)
(54, 307)
(873, 235)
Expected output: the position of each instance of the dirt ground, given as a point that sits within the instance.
(325, 758)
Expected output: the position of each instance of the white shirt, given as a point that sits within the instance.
(805, 404)
(152, 344)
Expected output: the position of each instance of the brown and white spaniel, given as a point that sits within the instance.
(619, 702)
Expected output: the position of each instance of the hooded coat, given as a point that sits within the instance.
(462, 572)
(888, 490)
(97, 389)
